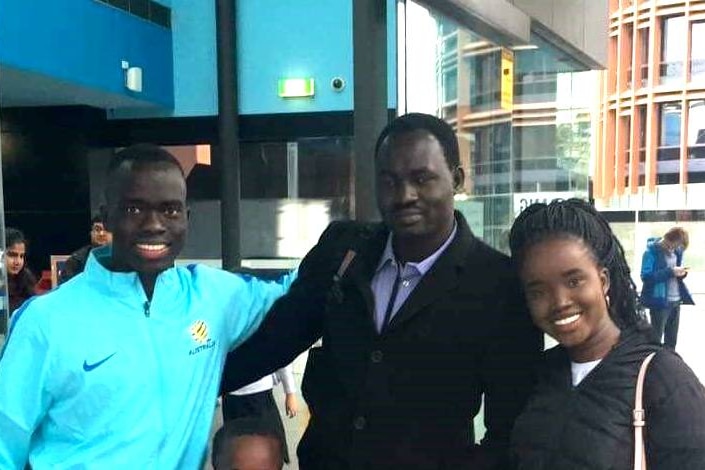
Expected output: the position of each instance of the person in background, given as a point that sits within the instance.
(664, 291)
(21, 282)
(257, 399)
(249, 443)
(77, 260)
(580, 292)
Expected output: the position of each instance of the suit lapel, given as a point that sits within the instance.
(442, 277)
(362, 269)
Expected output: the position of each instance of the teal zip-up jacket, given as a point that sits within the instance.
(93, 376)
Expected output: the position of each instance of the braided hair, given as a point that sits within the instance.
(576, 219)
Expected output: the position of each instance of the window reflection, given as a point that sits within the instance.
(644, 45)
(673, 49)
(697, 54)
(484, 64)
(291, 191)
(696, 141)
(668, 153)
(537, 144)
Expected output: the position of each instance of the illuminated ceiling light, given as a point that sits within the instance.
(525, 47)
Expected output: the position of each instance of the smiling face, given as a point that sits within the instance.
(146, 213)
(415, 188)
(565, 292)
(15, 258)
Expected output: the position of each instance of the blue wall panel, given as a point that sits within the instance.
(84, 42)
(195, 61)
(305, 38)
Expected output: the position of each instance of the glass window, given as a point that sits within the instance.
(673, 48)
(314, 168)
(644, 45)
(697, 52)
(696, 141)
(140, 8)
(642, 144)
(534, 77)
(625, 123)
(668, 154)
(325, 172)
(450, 86)
(670, 125)
(122, 4)
(627, 42)
(537, 144)
(291, 191)
(264, 170)
(485, 79)
(160, 14)
(490, 157)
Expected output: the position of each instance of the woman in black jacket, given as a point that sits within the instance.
(579, 291)
(21, 282)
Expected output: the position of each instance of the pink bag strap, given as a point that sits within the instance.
(640, 417)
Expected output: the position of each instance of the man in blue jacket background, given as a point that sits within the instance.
(663, 292)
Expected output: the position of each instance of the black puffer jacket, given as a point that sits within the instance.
(75, 263)
(590, 426)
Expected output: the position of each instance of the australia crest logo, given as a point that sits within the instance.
(201, 335)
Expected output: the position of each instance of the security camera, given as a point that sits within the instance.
(337, 84)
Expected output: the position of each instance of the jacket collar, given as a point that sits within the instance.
(632, 347)
(126, 285)
(442, 277)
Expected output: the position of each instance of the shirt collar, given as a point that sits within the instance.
(421, 266)
(125, 282)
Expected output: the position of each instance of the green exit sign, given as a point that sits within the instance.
(296, 87)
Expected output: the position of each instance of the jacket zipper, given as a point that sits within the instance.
(146, 308)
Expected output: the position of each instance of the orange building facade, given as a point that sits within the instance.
(652, 122)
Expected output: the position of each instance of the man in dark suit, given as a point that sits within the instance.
(418, 318)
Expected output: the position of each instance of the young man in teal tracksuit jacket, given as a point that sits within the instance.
(120, 367)
(664, 290)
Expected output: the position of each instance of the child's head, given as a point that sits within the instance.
(252, 443)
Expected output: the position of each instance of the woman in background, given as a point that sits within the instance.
(579, 291)
(20, 280)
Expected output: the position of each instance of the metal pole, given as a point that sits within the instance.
(228, 149)
(4, 291)
(370, 97)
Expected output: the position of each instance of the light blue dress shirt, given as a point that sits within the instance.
(410, 276)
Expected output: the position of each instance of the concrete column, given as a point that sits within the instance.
(228, 149)
(370, 102)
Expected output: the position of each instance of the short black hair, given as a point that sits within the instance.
(140, 154)
(438, 128)
(248, 426)
(13, 236)
(136, 156)
(97, 219)
(575, 218)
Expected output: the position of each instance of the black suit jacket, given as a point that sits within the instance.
(404, 398)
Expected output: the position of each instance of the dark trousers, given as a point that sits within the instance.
(664, 323)
(260, 404)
